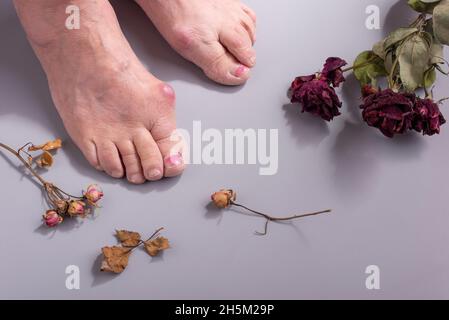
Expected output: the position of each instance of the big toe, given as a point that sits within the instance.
(217, 62)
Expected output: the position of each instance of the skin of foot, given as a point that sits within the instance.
(120, 116)
(216, 35)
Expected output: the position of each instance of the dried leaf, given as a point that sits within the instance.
(128, 238)
(45, 160)
(115, 259)
(153, 247)
(50, 145)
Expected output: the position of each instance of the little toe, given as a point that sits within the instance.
(238, 42)
(150, 156)
(131, 161)
(109, 158)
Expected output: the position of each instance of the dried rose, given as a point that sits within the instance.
(61, 206)
(93, 194)
(52, 218)
(427, 117)
(223, 198)
(76, 208)
(332, 71)
(316, 96)
(389, 111)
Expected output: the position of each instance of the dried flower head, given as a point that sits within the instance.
(316, 97)
(332, 71)
(93, 194)
(223, 198)
(427, 117)
(76, 208)
(52, 218)
(389, 111)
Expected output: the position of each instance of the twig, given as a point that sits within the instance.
(277, 219)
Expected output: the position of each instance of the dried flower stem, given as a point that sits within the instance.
(271, 218)
(53, 192)
(155, 233)
(25, 163)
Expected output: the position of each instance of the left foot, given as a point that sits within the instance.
(216, 35)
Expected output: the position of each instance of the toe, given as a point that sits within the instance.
(171, 149)
(109, 158)
(250, 12)
(131, 161)
(150, 156)
(222, 67)
(238, 41)
(89, 150)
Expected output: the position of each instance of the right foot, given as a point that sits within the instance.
(119, 115)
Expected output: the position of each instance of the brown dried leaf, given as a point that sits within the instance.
(50, 145)
(128, 238)
(45, 160)
(153, 247)
(115, 259)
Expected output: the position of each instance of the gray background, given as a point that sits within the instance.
(389, 196)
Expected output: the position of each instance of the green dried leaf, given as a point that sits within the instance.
(441, 22)
(413, 57)
(368, 67)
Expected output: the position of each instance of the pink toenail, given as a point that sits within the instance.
(240, 71)
(174, 160)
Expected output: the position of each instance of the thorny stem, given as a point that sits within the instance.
(271, 218)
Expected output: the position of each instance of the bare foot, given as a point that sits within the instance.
(118, 114)
(216, 35)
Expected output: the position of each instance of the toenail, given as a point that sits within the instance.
(174, 160)
(154, 174)
(116, 174)
(136, 179)
(240, 71)
(253, 60)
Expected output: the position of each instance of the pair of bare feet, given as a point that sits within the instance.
(120, 116)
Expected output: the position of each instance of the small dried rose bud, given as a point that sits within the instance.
(76, 208)
(93, 194)
(52, 218)
(61, 206)
(223, 198)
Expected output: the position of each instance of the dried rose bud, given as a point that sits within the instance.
(61, 206)
(52, 218)
(389, 111)
(223, 198)
(427, 117)
(332, 71)
(76, 208)
(93, 194)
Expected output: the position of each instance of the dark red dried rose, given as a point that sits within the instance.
(427, 117)
(389, 111)
(332, 71)
(316, 96)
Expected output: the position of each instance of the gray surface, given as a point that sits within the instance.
(389, 196)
